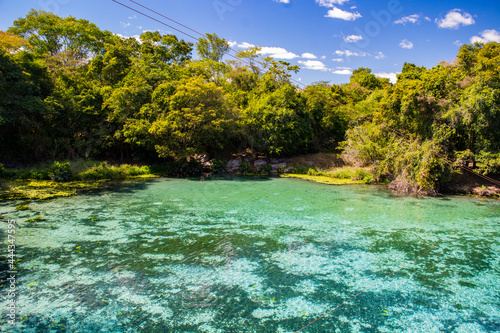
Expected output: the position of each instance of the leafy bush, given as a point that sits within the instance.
(219, 166)
(301, 170)
(312, 172)
(282, 169)
(245, 167)
(3, 173)
(193, 168)
(345, 173)
(110, 172)
(60, 172)
(488, 162)
(363, 175)
(38, 174)
(265, 169)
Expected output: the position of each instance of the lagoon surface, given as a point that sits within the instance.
(249, 255)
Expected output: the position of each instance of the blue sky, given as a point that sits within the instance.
(327, 38)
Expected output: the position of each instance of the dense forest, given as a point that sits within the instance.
(70, 90)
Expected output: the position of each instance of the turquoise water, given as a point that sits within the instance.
(245, 255)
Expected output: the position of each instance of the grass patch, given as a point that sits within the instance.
(334, 176)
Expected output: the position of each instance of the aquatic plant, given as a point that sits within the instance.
(35, 219)
(22, 207)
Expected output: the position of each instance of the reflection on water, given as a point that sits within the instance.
(256, 256)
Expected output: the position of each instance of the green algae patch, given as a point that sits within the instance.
(324, 179)
(31, 189)
(45, 189)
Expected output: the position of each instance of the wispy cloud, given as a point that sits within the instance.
(406, 44)
(342, 71)
(338, 59)
(380, 56)
(353, 38)
(454, 19)
(486, 37)
(314, 65)
(331, 3)
(348, 53)
(282, 1)
(125, 24)
(415, 18)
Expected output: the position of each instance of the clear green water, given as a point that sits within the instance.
(256, 256)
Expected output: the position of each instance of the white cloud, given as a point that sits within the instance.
(338, 59)
(406, 44)
(331, 3)
(278, 53)
(283, 1)
(132, 17)
(308, 56)
(391, 76)
(486, 37)
(136, 37)
(323, 57)
(245, 45)
(380, 56)
(313, 64)
(415, 18)
(342, 14)
(353, 38)
(125, 24)
(454, 18)
(342, 71)
(348, 53)
(459, 43)
(232, 44)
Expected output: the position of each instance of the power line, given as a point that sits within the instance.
(193, 30)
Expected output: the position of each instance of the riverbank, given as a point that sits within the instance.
(63, 179)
